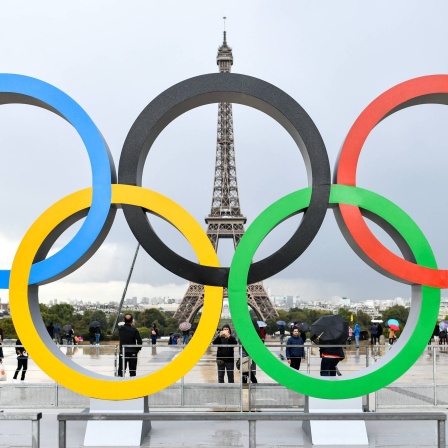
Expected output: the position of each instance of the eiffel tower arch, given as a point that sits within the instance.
(225, 219)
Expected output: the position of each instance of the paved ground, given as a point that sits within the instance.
(224, 434)
(101, 359)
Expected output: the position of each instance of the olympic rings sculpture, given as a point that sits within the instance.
(98, 204)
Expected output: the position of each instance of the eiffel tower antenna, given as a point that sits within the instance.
(225, 219)
(224, 41)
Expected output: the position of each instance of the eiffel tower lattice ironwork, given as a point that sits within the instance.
(225, 219)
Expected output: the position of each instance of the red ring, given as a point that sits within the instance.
(423, 90)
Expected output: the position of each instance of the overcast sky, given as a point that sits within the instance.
(334, 58)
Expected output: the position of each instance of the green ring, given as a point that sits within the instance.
(410, 345)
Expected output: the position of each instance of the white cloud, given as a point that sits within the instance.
(104, 292)
(8, 250)
(125, 57)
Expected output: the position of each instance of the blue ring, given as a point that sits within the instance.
(18, 89)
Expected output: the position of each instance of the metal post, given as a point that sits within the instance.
(182, 390)
(62, 434)
(376, 401)
(249, 386)
(240, 350)
(35, 433)
(125, 289)
(56, 395)
(252, 434)
(441, 433)
(308, 361)
(434, 378)
(367, 403)
(367, 365)
(123, 363)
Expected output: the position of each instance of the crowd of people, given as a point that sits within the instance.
(295, 354)
(225, 355)
(130, 343)
(66, 335)
(376, 331)
(439, 335)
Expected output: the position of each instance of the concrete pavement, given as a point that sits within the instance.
(221, 434)
(236, 434)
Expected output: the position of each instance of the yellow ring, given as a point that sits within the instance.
(57, 365)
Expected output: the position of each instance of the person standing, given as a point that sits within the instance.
(97, 335)
(57, 332)
(250, 371)
(247, 364)
(281, 329)
(1, 348)
(69, 335)
(91, 335)
(442, 337)
(330, 357)
(357, 334)
(154, 334)
(50, 329)
(262, 334)
(436, 334)
(22, 361)
(373, 334)
(224, 355)
(379, 333)
(294, 349)
(129, 336)
(391, 336)
(350, 335)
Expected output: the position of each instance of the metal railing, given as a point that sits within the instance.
(35, 418)
(252, 418)
(424, 385)
(417, 391)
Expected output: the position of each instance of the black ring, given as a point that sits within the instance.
(228, 88)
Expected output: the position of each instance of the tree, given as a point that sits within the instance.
(313, 315)
(9, 332)
(171, 325)
(145, 333)
(283, 315)
(363, 319)
(296, 314)
(149, 317)
(111, 321)
(60, 313)
(95, 315)
(78, 325)
(397, 312)
(345, 314)
(47, 317)
(272, 326)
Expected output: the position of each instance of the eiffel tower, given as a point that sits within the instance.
(225, 219)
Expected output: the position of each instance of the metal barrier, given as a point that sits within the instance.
(252, 418)
(427, 387)
(430, 390)
(35, 423)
